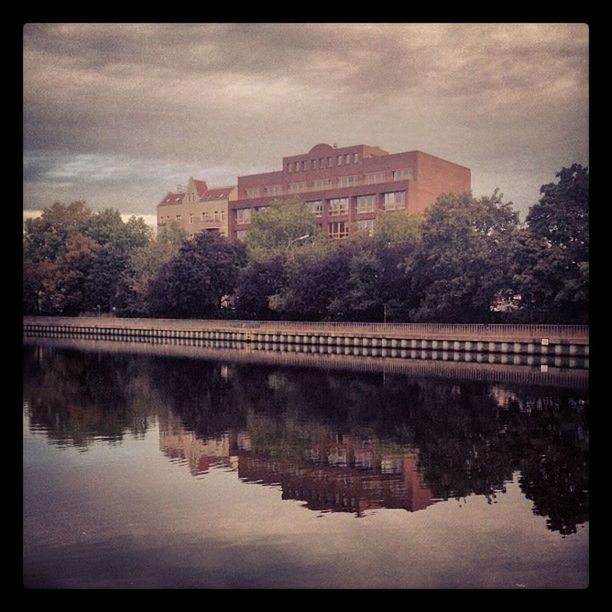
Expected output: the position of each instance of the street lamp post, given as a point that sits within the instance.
(298, 239)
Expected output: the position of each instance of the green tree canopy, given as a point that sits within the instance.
(562, 214)
(194, 282)
(551, 267)
(45, 237)
(463, 259)
(284, 226)
(144, 264)
(74, 259)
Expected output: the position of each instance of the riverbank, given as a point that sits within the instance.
(554, 340)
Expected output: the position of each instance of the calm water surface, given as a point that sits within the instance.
(153, 471)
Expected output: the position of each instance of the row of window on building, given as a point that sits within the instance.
(336, 229)
(394, 200)
(323, 162)
(218, 215)
(328, 183)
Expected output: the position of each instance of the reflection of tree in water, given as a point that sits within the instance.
(549, 434)
(202, 393)
(77, 396)
(468, 439)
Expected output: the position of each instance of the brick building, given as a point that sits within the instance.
(348, 187)
(197, 207)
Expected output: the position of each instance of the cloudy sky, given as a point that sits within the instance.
(119, 114)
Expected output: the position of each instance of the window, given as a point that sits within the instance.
(222, 215)
(261, 208)
(216, 216)
(315, 164)
(179, 217)
(338, 229)
(347, 158)
(366, 203)
(243, 215)
(375, 177)
(274, 189)
(304, 165)
(295, 187)
(338, 206)
(290, 167)
(330, 162)
(395, 200)
(340, 158)
(366, 225)
(191, 218)
(252, 192)
(355, 157)
(321, 184)
(240, 234)
(322, 163)
(316, 207)
(402, 174)
(347, 181)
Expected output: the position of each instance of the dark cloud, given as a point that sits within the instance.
(230, 99)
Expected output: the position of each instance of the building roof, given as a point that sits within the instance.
(173, 198)
(218, 193)
(200, 186)
(204, 195)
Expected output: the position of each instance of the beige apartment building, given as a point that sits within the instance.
(197, 208)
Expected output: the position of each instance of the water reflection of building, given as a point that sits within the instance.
(182, 445)
(339, 474)
(344, 476)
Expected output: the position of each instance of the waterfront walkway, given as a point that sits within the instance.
(577, 334)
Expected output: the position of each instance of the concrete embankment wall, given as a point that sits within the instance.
(542, 340)
(491, 367)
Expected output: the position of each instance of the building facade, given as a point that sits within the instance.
(197, 208)
(346, 188)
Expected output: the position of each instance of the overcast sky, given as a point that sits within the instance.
(119, 114)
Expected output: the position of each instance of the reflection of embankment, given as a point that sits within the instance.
(536, 374)
(340, 474)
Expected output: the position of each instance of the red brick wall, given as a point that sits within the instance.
(432, 176)
(436, 176)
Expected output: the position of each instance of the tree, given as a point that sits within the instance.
(194, 282)
(39, 280)
(316, 286)
(144, 264)
(69, 293)
(284, 226)
(108, 228)
(97, 245)
(258, 282)
(396, 228)
(463, 259)
(45, 237)
(562, 214)
(551, 267)
(379, 289)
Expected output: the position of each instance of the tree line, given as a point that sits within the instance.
(464, 260)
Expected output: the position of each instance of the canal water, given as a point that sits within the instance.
(145, 470)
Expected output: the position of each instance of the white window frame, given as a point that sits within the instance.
(342, 230)
(316, 207)
(335, 210)
(364, 205)
(394, 205)
(375, 177)
(243, 215)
